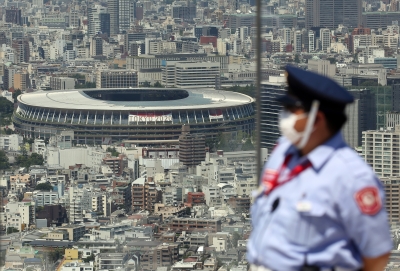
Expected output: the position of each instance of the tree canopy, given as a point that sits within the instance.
(85, 85)
(44, 187)
(113, 151)
(6, 106)
(25, 160)
(15, 94)
(3, 160)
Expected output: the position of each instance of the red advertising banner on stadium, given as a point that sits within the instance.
(150, 116)
(216, 114)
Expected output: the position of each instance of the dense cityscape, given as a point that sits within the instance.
(128, 132)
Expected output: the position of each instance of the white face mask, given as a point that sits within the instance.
(287, 121)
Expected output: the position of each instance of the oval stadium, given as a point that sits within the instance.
(142, 116)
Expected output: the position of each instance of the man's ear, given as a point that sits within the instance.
(319, 119)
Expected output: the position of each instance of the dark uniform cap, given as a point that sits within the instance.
(304, 87)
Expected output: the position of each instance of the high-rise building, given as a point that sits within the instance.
(361, 116)
(381, 151)
(325, 38)
(286, 34)
(185, 12)
(38, 3)
(13, 15)
(145, 194)
(311, 41)
(125, 15)
(331, 13)
(94, 18)
(392, 197)
(21, 80)
(22, 53)
(74, 21)
(105, 23)
(270, 109)
(112, 7)
(192, 147)
(3, 38)
(8, 78)
(298, 41)
(96, 46)
(396, 97)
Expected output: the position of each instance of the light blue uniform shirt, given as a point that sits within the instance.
(333, 232)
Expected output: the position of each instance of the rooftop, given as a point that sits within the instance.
(81, 99)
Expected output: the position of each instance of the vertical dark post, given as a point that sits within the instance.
(258, 89)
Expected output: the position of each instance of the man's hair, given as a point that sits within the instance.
(335, 121)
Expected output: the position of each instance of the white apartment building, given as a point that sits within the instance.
(325, 36)
(46, 198)
(311, 41)
(323, 67)
(187, 74)
(10, 142)
(39, 146)
(20, 214)
(392, 198)
(117, 79)
(212, 195)
(91, 156)
(298, 41)
(381, 151)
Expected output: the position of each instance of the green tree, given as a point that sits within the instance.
(297, 58)
(77, 76)
(235, 238)
(146, 84)
(113, 151)
(6, 106)
(158, 85)
(24, 160)
(7, 131)
(44, 187)
(85, 85)
(369, 83)
(211, 143)
(15, 94)
(4, 160)
(11, 230)
(28, 140)
(36, 159)
(248, 146)
(89, 259)
(332, 60)
(223, 143)
(56, 254)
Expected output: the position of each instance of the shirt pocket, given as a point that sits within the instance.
(309, 228)
(256, 210)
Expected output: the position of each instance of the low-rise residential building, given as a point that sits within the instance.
(75, 232)
(112, 261)
(10, 142)
(164, 255)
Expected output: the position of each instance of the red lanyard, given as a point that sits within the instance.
(271, 177)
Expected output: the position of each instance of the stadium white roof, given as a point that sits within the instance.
(78, 99)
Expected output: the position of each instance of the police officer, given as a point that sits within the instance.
(319, 207)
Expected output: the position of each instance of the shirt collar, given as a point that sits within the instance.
(320, 155)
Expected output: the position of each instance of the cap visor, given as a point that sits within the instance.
(287, 100)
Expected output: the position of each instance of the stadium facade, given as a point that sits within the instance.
(143, 116)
